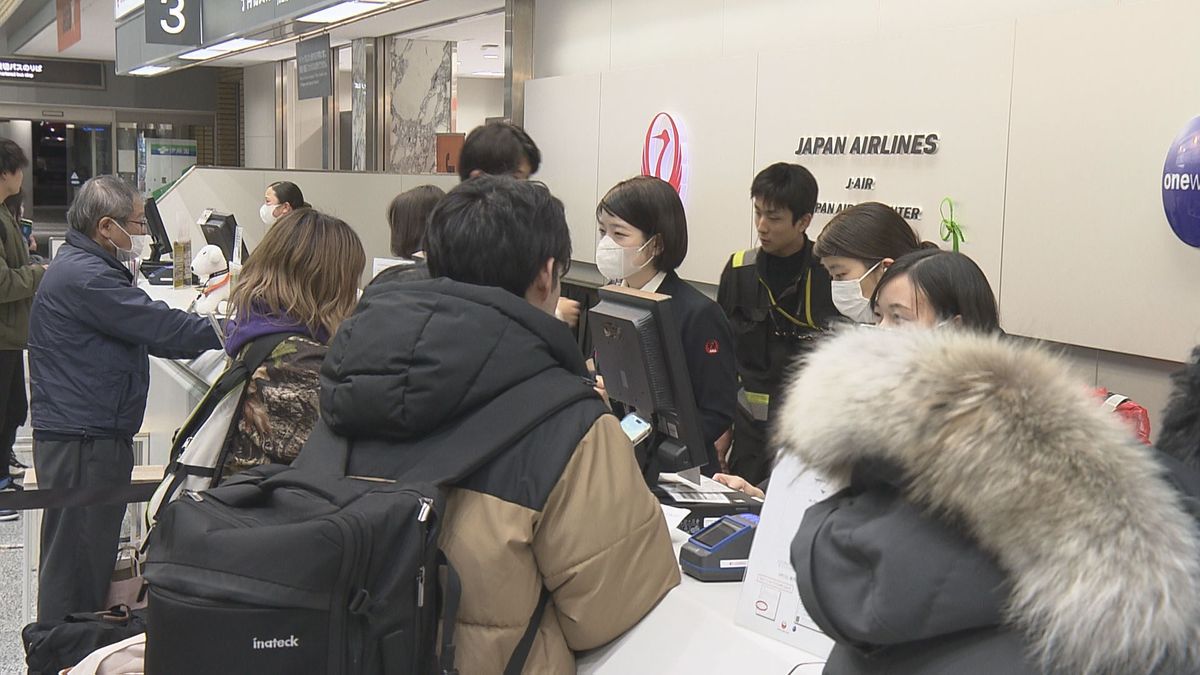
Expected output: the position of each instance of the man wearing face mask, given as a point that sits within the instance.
(91, 331)
(777, 298)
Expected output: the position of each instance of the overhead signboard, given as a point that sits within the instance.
(235, 18)
(123, 7)
(314, 71)
(68, 17)
(173, 22)
(52, 72)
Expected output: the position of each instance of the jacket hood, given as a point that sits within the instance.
(1179, 435)
(998, 437)
(256, 325)
(416, 355)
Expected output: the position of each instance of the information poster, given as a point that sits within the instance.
(770, 603)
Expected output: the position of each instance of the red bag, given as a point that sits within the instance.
(1135, 415)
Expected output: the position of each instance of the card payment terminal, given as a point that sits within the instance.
(720, 551)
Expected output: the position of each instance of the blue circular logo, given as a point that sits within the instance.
(1181, 184)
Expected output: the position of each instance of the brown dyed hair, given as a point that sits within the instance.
(870, 232)
(306, 268)
(407, 216)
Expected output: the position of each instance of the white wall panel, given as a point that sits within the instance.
(562, 114)
(752, 26)
(258, 86)
(665, 31)
(570, 37)
(717, 128)
(913, 19)
(889, 87)
(478, 99)
(1089, 257)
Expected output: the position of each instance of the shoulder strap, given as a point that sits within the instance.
(745, 258)
(455, 452)
(516, 663)
(260, 350)
(234, 376)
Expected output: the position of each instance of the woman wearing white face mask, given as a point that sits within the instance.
(643, 239)
(857, 246)
(280, 199)
(935, 289)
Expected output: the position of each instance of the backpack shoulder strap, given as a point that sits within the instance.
(234, 376)
(455, 452)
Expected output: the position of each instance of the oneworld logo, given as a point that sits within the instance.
(663, 152)
(1181, 184)
(275, 643)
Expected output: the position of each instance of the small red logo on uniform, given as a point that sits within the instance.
(712, 347)
(662, 152)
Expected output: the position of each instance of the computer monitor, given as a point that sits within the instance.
(640, 355)
(161, 243)
(219, 229)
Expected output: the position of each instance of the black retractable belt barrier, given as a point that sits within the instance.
(62, 498)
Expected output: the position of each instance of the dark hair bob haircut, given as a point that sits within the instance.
(954, 285)
(652, 206)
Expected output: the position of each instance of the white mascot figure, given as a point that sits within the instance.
(213, 270)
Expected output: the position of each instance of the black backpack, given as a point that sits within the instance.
(304, 569)
(51, 646)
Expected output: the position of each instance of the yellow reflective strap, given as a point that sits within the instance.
(808, 300)
(807, 309)
(739, 259)
(757, 398)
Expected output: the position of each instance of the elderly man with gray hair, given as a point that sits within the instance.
(91, 332)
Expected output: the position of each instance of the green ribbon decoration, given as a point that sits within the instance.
(951, 230)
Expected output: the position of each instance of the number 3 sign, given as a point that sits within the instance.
(173, 22)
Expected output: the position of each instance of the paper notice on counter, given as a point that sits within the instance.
(380, 264)
(684, 491)
(769, 603)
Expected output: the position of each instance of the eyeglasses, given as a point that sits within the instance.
(129, 221)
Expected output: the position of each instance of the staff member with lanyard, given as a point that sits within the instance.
(777, 297)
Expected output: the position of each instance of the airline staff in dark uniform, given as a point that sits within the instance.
(643, 233)
(777, 297)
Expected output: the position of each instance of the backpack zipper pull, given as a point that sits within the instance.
(421, 586)
(426, 508)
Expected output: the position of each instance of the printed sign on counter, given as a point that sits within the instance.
(770, 603)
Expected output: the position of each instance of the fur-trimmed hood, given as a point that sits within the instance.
(999, 438)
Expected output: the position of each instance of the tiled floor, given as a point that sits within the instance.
(12, 654)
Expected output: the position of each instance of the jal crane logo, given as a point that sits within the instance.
(663, 153)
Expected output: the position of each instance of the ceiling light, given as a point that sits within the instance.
(221, 49)
(345, 10)
(236, 44)
(487, 73)
(149, 70)
(201, 54)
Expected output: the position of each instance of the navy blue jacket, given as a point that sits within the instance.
(90, 333)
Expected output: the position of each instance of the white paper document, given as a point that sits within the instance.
(380, 264)
(769, 603)
(684, 491)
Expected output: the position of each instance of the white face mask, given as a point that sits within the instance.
(267, 213)
(139, 246)
(849, 300)
(617, 262)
